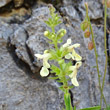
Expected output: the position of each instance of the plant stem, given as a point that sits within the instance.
(102, 95)
(67, 100)
(106, 59)
(96, 55)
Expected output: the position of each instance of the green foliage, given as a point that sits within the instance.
(92, 108)
(108, 108)
(67, 101)
(54, 20)
(55, 69)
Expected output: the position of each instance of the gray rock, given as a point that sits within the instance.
(4, 2)
(108, 12)
(95, 9)
(22, 51)
(6, 31)
(20, 92)
(71, 12)
(109, 44)
(36, 41)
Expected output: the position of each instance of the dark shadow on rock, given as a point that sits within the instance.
(24, 66)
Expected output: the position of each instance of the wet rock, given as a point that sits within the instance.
(4, 2)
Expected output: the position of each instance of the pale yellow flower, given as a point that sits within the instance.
(74, 55)
(44, 71)
(73, 75)
(45, 58)
(67, 43)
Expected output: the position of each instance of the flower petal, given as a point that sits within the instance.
(78, 64)
(76, 45)
(39, 56)
(68, 56)
(74, 73)
(74, 81)
(46, 51)
(44, 72)
(77, 57)
(46, 56)
(70, 48)
(45, 63)
(67, 43)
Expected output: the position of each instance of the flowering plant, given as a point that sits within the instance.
(64, 71)
(63, 55)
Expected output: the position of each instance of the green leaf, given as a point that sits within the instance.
(58, 22)
(48, 23)
(66, 67)
(55, 69)
(60, 41)
(70, 87)
(54, 55)
(59, 81)
(92, 108)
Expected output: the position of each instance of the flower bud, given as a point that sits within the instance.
(56, 18)
(46, 33)
(108, 3)
(90, 45)
(53, 36)
(46, 51)
(64, 31)
(61, 33)
(51, 8)
(84, 25)
(86, 4)
(87, 34)
(103, 1)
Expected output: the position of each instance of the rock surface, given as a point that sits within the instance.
(19, 92)
(22, 87)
